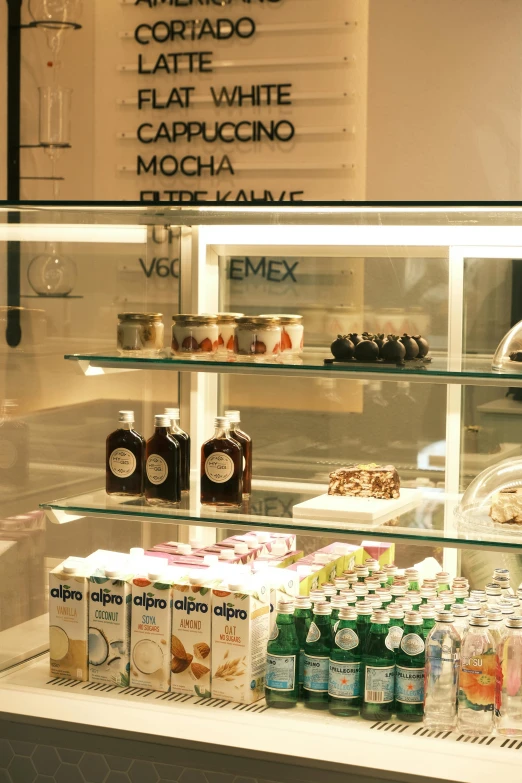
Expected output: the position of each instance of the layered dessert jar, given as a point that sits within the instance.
(227, 325)
(195, 336)
(140, 333)
(292, 333)
(259, 338)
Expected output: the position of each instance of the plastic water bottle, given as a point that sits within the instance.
(477, 679)
(509, 720)
(441, 674)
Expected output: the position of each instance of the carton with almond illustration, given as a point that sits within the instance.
(191, 636)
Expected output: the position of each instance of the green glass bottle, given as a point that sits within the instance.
(330, 590)
(372, 565)
(385, 596)
(282, 681)
(428, 619)
(443, 581)
(412, 576)
(391, 572)
(337, 603)
(303, 617)
(397, 591)
(378, 671)
(372, 585)
(362, 573)
(448, 598)
(349, 596)
(460, 594)
(317, 649)
(364, 614)
(361, 591)
(409, 674)
(426, 593)
(396, 627)
(344, 680)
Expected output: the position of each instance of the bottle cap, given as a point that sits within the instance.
(459, 610)
(112, 573)
(323, 607)
(371, 564)
(362, 570)
(350, 574)
(210, 560)
(460, 592)
(442, 577)
(338, 601)
(375, 601)
(398, 590)
(427, 612)
(340, 582)
(427, 592)
(155, 576)
(473, 606)
(514, 622)
(251, 541)
(507, 609)
(447, 597)
(241, 548)
(329, 589)
(303, 602)
(444, 617)
(494, 615)
(362, 607)
(412, 574)
(285, 607)
(347, 613)
(390, 569)
(222, 423)
(227, 554)
(360, 589)
(70, 568)
(412, 618)
(371, 583)
(414, 597)
(172, 413)
(502, 572)
(126, 416)
(380, 617)
(479, 620)
(198, 577)
(395, 612)
(234, 417)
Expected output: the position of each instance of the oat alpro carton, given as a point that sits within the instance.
(151, 629)
(240, 623)
(68, 620)
(192, 634)
(110, 601)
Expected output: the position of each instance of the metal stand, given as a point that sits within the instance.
(13, 332)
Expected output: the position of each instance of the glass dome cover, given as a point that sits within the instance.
(508, 356)
(493, 500)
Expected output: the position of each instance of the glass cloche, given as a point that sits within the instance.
(493, 500)
(52, 274)
(508, 356)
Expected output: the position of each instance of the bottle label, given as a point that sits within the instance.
(379, 684)
(122, 463)
(157, 469)
(344, 680)
(274, 633)
(346, 639)
(477, 680)
(280, 672)
(409, 685)
(219, 467)
(316, 672)
(314, 634)
(393, 638)
(412, 644)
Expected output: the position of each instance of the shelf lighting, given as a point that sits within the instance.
(43, 232)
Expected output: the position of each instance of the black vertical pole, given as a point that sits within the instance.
(14, 64)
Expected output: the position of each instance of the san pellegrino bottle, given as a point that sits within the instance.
(282, 681)
(509, 719)
(372, 565)
(390, 571)
(442, 581)
(442, 674)
(318, 645)
(477, 679)
(396, 627)
(337, 603)
(362, 572)
(460, 594)
(412, 576)
(361, 591)
(344, 680)
(378, 671)
(409, 670)
(330, 591)
(303, 617)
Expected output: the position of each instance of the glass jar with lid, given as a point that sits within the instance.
(259, 337)
(140, 333)
(292, 332)
(227, 324)
(194, 335)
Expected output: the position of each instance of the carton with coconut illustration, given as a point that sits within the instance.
(191, 635)
(68, 620)
(110, 603)
(240, 621)
(151, 626)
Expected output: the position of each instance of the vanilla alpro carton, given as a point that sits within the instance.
(151, 630)
(110, 602)
(240, 627)
(68, 620)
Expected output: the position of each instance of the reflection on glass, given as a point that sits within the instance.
(52, 274)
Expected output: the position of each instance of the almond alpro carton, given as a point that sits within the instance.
(151, 629)
(110, 625)
(192, 633)
(68, 619)
(240, 623)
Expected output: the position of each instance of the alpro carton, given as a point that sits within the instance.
(151, 630)
(192, 635)
(240, 622)
(68, 620)
(110, 603)
(384, 553)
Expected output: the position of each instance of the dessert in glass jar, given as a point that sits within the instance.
(227, 323)
(194, 336)
(292, 332)
(259, 337)
(140, 333)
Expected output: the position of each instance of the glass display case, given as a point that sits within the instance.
(441, 414)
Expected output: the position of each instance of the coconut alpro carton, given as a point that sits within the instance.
(68, 619)
(151, 628)
(240, 625)
(110, 603)
(192, 635)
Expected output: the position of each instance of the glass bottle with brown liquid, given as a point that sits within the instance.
(221, 468)
(162, 474)
(245, 441)
(183, 439)
(125, 459)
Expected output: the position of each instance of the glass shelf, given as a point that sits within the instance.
(270, 506)
(475, 370)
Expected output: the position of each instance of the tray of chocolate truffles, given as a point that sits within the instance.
(493, 501)
(363, 493)
(367, 348)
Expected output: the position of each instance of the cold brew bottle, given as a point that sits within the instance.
(245, 441)
(162, 476)
(183, 439)
(221, 468)
(125, 459)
